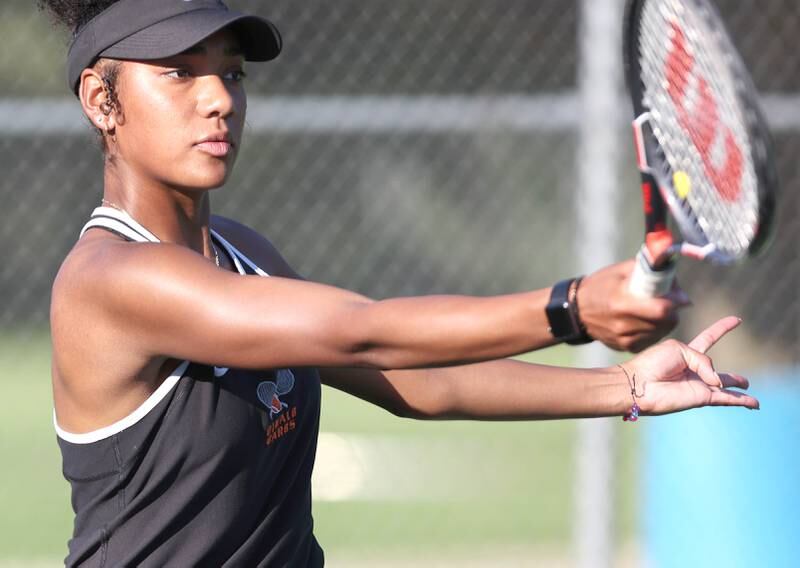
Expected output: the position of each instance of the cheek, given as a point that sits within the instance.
(161, 117)
(156, 128)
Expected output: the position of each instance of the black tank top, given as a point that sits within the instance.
(213, 469)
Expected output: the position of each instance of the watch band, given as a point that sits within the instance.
(562, 314)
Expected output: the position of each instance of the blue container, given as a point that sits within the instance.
(721, 487)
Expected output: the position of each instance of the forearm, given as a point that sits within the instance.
(451, 330)
(514, 390)
(495, 390)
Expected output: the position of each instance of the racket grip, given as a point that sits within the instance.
(647, 282)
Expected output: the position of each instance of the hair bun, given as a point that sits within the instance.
(74, 14)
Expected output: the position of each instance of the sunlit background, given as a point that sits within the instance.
(426, 146)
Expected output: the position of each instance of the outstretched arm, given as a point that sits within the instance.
(164, 300)
(611, 314)
(669, 377)
(151, 290)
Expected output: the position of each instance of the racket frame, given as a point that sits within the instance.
(658, 254)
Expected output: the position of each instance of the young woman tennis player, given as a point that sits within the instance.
(188, 356)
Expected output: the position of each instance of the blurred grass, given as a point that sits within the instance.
(34, 497)
(513, 480)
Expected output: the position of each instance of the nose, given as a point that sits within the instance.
(215, 97)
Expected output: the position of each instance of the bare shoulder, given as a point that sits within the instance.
(253, 245)
(98, 279)
(86, 267)
(101, 287)
(100, 264)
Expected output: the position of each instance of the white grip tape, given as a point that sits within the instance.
(649, 283)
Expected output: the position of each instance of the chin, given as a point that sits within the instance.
(211, 184)
(207, 180)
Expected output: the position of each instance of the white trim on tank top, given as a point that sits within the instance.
(123, 217)
(236, 254)
(115, 226)
(128, 226)
(131, 419)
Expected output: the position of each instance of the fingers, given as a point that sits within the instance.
(651, 309)
(731, 380)
(622, 320)
(713, 333)
(733, 398)
(659, 308)
(702, 366)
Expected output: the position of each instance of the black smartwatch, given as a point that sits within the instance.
(562, 313)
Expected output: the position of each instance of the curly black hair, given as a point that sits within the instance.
(74, 14)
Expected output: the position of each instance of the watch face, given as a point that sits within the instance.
(560, 314)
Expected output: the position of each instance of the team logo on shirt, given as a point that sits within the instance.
(269, 393)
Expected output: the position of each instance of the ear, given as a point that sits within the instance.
(94, 100)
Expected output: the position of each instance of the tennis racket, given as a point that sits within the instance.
(702, 145)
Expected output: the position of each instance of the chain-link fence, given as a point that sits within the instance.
(397, 148)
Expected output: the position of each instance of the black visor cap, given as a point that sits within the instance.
(153, 29)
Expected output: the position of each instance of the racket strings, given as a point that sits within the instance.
(692, 94)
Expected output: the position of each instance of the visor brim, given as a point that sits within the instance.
(259, 38)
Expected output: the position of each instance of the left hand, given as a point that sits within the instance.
(673, 376)
(621, 320)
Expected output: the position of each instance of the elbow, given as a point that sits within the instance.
(374, 356)
(359, 338)
(373, 339)
(408, 411)
(433, 398)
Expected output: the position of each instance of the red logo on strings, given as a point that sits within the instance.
(703, 122)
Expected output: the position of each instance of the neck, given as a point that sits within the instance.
(174, 215)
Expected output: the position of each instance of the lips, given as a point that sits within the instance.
(217, 146)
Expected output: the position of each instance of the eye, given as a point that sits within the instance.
(237, 76)
(178, 74)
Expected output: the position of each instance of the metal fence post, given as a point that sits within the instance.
(599, 94)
